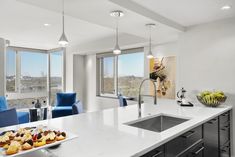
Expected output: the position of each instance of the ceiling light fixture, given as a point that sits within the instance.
(63, 39)
(226, 7)
(117, 14)
(150, 26)
(47, 24)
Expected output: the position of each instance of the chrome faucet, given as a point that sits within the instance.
(140, 95)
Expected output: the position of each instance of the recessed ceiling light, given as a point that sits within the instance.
(226, 7)
(47, 24)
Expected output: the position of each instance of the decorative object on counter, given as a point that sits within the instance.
(38, 104)
(211, 98)
(163, 71)
(182, 99)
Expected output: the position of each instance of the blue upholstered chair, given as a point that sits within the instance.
(122, 101)
(64, 103)
(8, 117)
(77, 107)
(23, 117)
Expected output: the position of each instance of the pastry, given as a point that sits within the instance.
(13, 148)
(60, 136)
(4, 140)
(10, 134)
(26, 137)
(50, 137)
(6, 146)
(17, 137)
(39, 143)
(27, 145)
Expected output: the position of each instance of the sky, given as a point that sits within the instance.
(34, 64)
(128, 64)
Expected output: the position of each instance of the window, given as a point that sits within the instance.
(121, 74)
(130, 73)
(56, 74)
(28, 75)
(33, 72)
(108, 86)
(11, 71)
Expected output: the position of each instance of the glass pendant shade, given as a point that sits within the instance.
(63, 40)
(150, 55)
(117, 50)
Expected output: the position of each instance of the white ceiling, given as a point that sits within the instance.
(190, 12)
(89, 27)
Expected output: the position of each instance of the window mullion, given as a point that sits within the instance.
(18, 71)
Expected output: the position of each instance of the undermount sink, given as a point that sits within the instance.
(157, 123)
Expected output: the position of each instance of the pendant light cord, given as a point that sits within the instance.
(63, 14)
(150, 39)
(117, 30)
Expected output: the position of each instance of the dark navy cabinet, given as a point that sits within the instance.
(207, 140)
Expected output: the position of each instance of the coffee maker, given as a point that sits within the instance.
(182, 99)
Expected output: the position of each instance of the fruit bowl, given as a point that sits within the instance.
(211, 99)
(212, 104)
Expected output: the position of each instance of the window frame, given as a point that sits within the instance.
(99, 58)
(17, 94)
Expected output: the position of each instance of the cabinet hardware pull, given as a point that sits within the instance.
(225, 128)
(212, 121)
(223, 150)
(188, 134)
(159, 153)
(225, 114)
(198, 151)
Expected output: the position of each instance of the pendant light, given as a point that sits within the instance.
(63, 39)
(117, 14)
(150, 26)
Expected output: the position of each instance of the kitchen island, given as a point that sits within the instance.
(105, 133)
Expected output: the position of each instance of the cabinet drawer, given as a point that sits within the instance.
(158, 152)
(183, 142)
(225, 150)
(224, 117)
(198, 151)
(224, 133)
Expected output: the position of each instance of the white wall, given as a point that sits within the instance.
(79, 76)
(2, 66)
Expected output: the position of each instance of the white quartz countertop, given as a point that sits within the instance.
(104, 134)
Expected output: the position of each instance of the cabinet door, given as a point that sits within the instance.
(211, 138)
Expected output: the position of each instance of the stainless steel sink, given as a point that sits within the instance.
(157, 123)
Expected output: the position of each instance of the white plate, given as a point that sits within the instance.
(69, 136)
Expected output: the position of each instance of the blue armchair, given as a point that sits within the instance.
(23, 117)
(77, 107)
(11, 119)
(64, 104)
